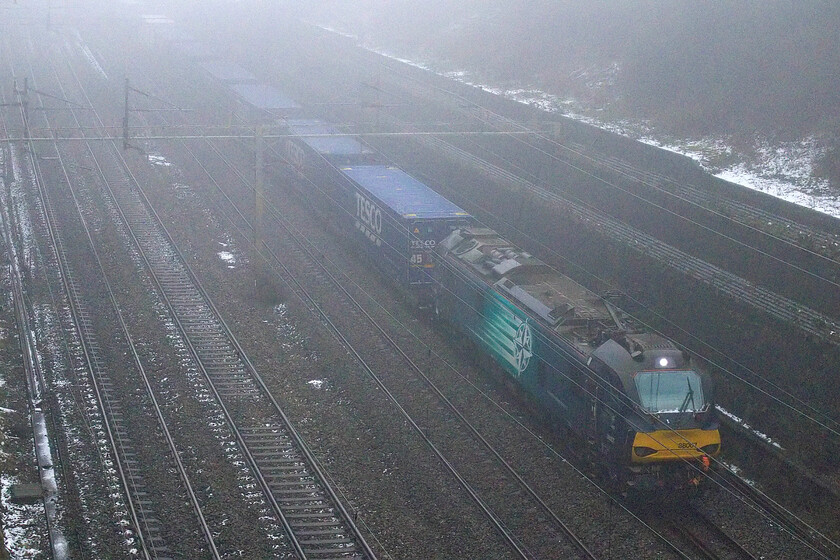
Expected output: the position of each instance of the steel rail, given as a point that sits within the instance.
(725, 536)
(807, 535)
(157, 548)
(166, 288)
(686, 522)
(301, 534)
(35, 382)
(88, 347)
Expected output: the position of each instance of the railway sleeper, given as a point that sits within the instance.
(322, 542)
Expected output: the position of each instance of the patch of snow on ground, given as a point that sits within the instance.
(228, 257)
(746, 426)
(157, 159)
(289, 337)
(784, 171)
(736, 470)
(89, 56)
(19, 531)
(316, 383)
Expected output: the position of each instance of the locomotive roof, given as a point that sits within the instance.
(263, 96)
(555, 299)
(587, 321)
(325, 144)
(402, 193)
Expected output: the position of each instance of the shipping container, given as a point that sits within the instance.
(313, 143)
(315, 151)
(227, 72)
(398, 220)
(263, 103)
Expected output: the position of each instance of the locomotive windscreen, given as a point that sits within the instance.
(670, 391)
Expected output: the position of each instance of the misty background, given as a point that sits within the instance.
(758, 73)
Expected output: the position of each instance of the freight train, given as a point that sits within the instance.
(642, 407)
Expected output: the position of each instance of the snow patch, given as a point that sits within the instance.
(89, 56)
(157, 159)
(749, 428)
(20, 533)
(227, 257)
(736, 470)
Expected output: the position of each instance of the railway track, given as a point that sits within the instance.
(145, 519)
(37, 388)
(797, 233)
(810, 539)
(702, 535)
(299, 493)
(53, 321)
(283, 465)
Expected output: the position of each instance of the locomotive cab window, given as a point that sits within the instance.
(670, 391)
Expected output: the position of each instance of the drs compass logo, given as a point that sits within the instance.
(506, 334)
(523, 347)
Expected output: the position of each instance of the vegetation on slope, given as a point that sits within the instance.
(737, 67)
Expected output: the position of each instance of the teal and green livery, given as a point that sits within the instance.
(505, 333)
(643, 407)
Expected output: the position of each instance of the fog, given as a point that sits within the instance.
(702, 67)
(742, 69)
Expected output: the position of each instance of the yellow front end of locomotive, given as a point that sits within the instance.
(672, 445)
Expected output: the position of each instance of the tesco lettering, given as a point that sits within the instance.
(369, 214)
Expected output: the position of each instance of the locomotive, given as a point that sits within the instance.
(643, 406)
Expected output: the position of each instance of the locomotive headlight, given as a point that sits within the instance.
(643, 451)
(710, 449)
(663, 362)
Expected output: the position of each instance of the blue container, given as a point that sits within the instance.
(262, 103)
(313, 143)
(398, 220)
(228, 72)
